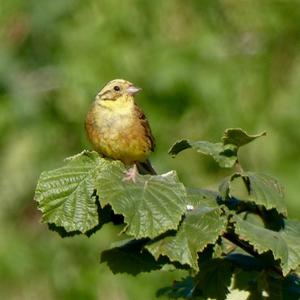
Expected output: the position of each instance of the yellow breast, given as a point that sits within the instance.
(116, 132)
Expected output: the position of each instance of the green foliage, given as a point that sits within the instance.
(150, 206)
(284, 244)
(225, 153)
(204, 222)
(203, 66)
(218, 236)
(65, 195)
(261, 189)
(238, 137)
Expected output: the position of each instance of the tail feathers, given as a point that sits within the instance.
(145, 167)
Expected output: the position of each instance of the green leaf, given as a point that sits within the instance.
(238, 137)
(129, 257)
(65, 195)
(201, 226)
(284, 244)
(258, 188)
(214, 279)
(105, 215)
(234, 186)
(179, 146)
(202, 197)
(224, 155)
(291, 234)
(266, 190)
(150, 206)
(179, 289)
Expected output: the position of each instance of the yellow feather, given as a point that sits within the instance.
(115, 130)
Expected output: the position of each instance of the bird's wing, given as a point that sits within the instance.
(144, 122)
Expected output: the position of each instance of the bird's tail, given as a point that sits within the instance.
(145, 167)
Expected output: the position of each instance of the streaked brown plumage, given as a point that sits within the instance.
(117, 128)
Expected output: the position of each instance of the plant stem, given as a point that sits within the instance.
(238, 167)
(245, 246)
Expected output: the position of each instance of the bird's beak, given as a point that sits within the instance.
(133, 90)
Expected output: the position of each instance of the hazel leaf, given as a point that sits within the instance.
(239, 137)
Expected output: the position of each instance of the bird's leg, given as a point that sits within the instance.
(131, 174)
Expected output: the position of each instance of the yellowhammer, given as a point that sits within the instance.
(117, 128)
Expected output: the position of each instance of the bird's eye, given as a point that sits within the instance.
(116, 88)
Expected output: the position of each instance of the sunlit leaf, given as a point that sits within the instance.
(291, 234)
(258, 188)
(284, 244)
(239, 137)
(266, 190)
(201, 197)
(150, 206)
(224, 155)
(201, 226)
(65, 195)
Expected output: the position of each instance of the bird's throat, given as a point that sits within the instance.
(123, 103)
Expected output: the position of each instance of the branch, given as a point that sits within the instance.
(249, 249)
(243, 245)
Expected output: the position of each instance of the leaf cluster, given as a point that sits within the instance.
(238, 236)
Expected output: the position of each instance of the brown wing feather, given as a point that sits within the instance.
(146, 126)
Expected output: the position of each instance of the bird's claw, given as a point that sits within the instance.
(131, 174)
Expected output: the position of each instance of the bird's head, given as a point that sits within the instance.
(117, 88)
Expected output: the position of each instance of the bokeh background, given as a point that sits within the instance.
(204, 65)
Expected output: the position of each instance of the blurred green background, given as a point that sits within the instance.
(203, 65)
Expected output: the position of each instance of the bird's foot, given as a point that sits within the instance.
(131, 174)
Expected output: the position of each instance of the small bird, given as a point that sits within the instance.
(117, 128)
